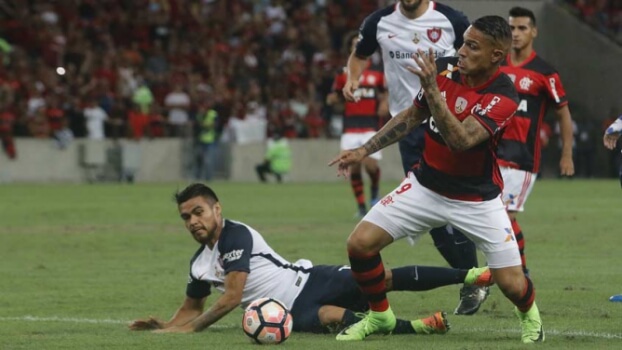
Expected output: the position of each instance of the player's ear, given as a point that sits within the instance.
(534, 32)
(497, 56)
(217, 209)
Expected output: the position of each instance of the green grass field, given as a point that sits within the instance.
(79, 262)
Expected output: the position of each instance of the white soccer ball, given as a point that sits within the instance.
(267, 321)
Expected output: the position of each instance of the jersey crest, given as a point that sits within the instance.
(434, 34)
(461, 104)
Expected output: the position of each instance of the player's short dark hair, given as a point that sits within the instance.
(196, 190)
(497, 28)
(523, 12)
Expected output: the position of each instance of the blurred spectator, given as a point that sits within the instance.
(178, 104)
(207, 120)
(603, 15)
(613, 156)
(277, 160)
(58, 123)
(95, 117)
(7, 119)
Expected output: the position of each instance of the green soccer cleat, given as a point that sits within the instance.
(531, 325)
(435, 324)
(479, 276)
(373, 323)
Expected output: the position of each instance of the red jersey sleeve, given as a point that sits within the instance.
(555, 89)
(494, 111)
(340, 82)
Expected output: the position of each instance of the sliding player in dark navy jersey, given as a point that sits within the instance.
(235, 260)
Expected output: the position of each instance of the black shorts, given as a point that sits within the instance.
(411, 147)
(327, 285)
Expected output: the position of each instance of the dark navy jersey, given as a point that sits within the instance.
(471, 175)
(241, 248)
(539, 86)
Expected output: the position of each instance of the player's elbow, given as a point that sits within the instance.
(458, 144)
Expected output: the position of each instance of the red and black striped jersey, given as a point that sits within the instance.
(362, 116)
(471, 175)
(538, 85)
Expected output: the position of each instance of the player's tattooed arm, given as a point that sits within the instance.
(459, 136)
(396, 128)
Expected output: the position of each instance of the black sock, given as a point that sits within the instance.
(455, 247)
(425, 277)
(403, 327)
(349, 318)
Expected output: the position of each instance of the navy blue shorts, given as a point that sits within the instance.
(411, 148)
(327, 285)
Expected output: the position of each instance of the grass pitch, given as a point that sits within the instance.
(81, 261)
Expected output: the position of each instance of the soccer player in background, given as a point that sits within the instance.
(610, 139)
(399, 31)
(361, 120)
(236, 260)
(468, 102)
(538, 86)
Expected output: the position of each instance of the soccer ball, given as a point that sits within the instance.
(267, 321)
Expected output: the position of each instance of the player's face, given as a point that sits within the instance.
(523, 32)
(410, 5)
(201, 219)
(478, 53)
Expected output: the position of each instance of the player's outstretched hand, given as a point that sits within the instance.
(610, 140)
(145, 325)
(349, 89)
(566, 166)
(426, 70)
(347, 158)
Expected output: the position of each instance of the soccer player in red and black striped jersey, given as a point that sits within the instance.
(361, 120)
(467, 102)
(538, 86)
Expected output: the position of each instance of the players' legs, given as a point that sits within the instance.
(373, 170)
(334, 318)
(262, 169)
(408, 211)
(350, 141)
(518, 184)
(371, 167)
(420, 278)
(356, 182)
(488, 225)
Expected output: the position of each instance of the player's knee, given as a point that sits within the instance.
(367, 239)
(511, 281)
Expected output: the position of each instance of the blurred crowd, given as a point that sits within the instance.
(603, 15)
(154, 68)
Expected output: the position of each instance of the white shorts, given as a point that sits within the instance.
(517, 185)
(411, 210)
(354, 140)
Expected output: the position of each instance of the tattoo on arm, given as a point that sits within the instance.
(398, 127)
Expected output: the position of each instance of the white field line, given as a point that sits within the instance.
(29, 318)
(576, 333)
